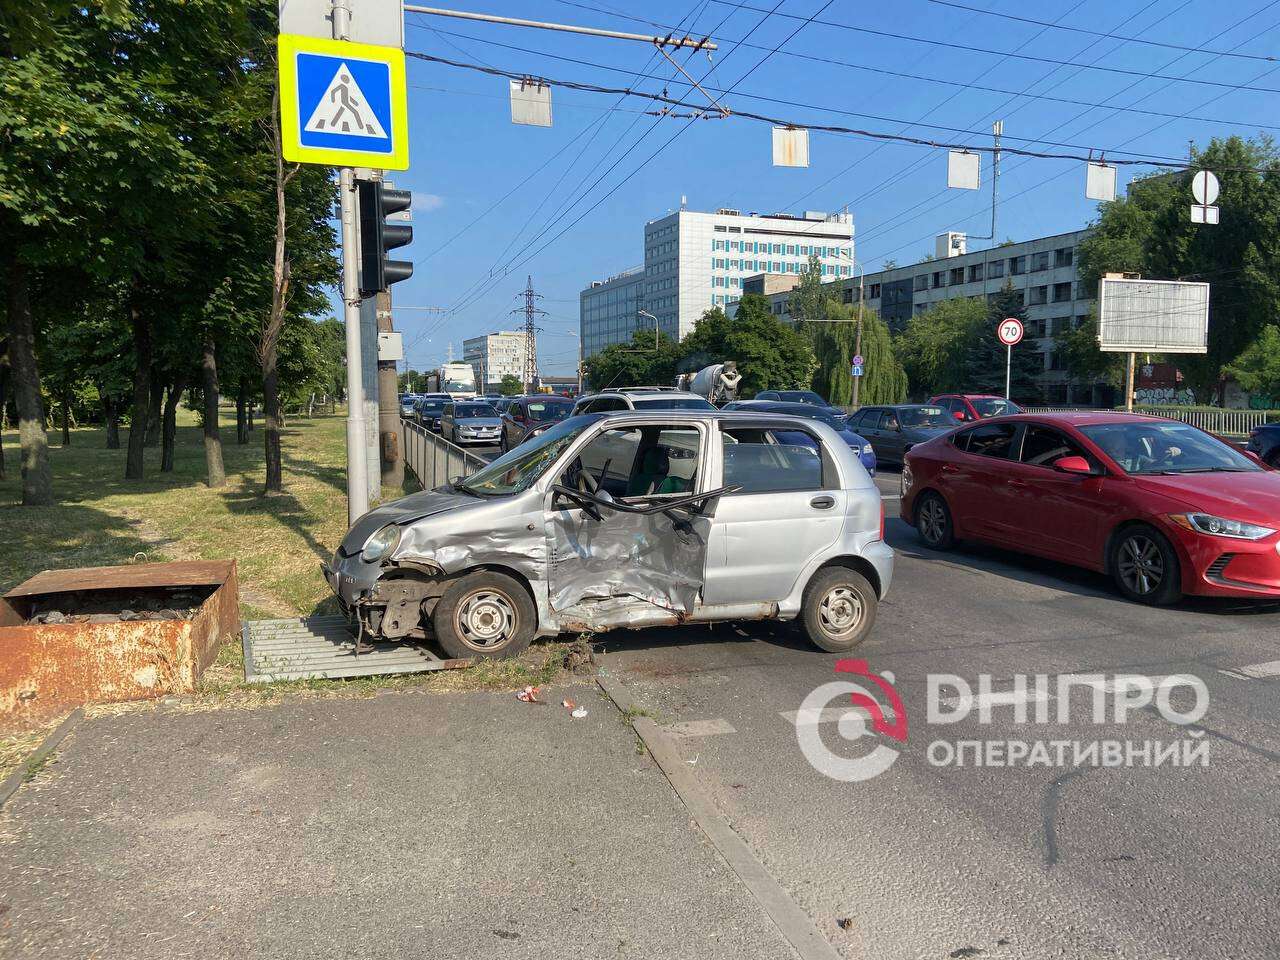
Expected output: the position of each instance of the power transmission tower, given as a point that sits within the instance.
(530, 311)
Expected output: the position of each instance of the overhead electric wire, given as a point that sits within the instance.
(1098, 33)
(852, 65)
(997, 53)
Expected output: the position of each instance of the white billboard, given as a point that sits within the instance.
(1153, 316)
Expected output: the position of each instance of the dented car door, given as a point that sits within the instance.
(627, 543)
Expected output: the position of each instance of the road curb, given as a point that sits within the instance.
(19, 776)
(792, 922)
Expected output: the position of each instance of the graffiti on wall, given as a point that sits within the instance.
(1165, 396)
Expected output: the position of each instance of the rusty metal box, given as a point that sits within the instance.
(49, 667)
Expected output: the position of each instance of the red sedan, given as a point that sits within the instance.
(1163, 507)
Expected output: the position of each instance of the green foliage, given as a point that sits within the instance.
(835, 344)
(633, 364)
(1258, 367)
(1078, 349)
(986, 358)
(1150, 232)
(771, 355)
(808, 298)
(511, 385)
(934, 345)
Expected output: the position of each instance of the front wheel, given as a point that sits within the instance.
(933, 522)
(486, 615)
(839, 609)
(1145, 566)
(502, 442)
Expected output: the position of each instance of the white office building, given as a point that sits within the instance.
(495, 356)
(694, 261)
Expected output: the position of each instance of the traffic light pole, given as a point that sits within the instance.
(357, 474)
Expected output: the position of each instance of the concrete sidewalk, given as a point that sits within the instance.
(407, 825)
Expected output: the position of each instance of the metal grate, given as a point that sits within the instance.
(1216, 569)
(324, 647)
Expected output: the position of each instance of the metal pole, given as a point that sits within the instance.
(1128, 378)
(1008, 369)
(857, 339)
(357, 475)
(668, 40)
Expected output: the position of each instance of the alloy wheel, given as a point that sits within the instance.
(933, 520)
(1141, 564)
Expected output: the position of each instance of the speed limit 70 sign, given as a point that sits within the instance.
(1010, 331)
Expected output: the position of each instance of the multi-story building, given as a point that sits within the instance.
(694, 261)
(495, 356)
(1044, 272)
(609, 310)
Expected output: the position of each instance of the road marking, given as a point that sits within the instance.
(699, 728)
(997, 698)
(1255, 671)
(811, 718)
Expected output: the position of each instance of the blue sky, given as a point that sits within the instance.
(467, 155)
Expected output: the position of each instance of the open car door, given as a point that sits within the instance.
(627, 527)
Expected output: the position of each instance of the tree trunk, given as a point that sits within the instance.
(66, 419)
(169, 432)
(37, 478)
(212, 438)
(4, 398)
(153, 411)
(242, 419)
(110, 419)
(271, 420)
(134, 463)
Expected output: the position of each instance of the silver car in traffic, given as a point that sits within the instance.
(634, 519)
(470, 421)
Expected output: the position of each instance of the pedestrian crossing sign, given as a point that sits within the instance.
(342, 104)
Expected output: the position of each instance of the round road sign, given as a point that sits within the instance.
(1204, 187)
(857, 361)
(1010, 331)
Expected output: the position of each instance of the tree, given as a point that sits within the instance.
(632, 364)
(808, 298)
(1150, 232)
(934, 344)
(1258, 367)
(771, 355)
(511, 385)
(835, 343)
(986, 358)
(1077, 346)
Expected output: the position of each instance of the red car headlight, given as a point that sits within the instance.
(1221, 526)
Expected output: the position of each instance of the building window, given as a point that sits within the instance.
(848, 294)
(1063, 257)
(937, 279)
(957, 275)
(1039, 261)
(1017, 265)
(1061, 292)
(720, 229)
(995, 269)
(875, 291)
(1039, 295)
(922, 282)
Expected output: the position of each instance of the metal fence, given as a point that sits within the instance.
(433, 459)
(1226, 423)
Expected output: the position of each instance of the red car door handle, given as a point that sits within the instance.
(948, 468)
(1016, 483)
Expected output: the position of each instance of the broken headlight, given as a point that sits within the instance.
(381, 544)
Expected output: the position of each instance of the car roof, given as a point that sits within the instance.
(1079, 418)
(644, 394)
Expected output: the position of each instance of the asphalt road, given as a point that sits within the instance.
(1046, 861)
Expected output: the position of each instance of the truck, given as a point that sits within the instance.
(458, 380)
(717, 382)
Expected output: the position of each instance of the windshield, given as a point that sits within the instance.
(994, 406)
(517, 470)
(545, 410)
(672, 403)
(433, 406)
(471, 410)
(925, 418)
(801, 396)
(1166, 448)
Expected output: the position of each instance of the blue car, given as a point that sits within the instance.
(833, 418)
(1264, 443)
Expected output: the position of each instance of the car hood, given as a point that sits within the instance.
(1254, 497)
(416, 506)
(478, 422)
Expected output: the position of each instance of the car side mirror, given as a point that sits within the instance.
(1076, 465)
(959, 415)
(1255, 458)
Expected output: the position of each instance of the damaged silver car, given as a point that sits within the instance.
(633, 520)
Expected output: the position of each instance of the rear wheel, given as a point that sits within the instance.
(933, 522)
(484, 614)
(839, 609)
(1145, 566)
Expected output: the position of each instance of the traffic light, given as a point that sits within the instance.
(377, 236)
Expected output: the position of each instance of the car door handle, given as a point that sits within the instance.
(822, 503)
(948, 468)
(1016, 483)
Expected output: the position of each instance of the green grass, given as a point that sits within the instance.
(100, 518)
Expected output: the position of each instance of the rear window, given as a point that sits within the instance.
(994, 440)
(672, 403)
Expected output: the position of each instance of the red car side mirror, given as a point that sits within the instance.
(1074, 465)
(959, 415)
(1254, 457)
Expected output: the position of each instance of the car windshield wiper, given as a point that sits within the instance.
(1175, 473)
